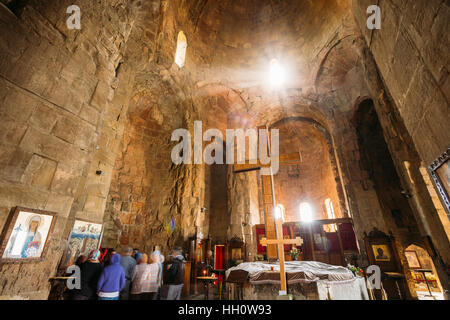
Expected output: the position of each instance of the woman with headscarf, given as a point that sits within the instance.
(90, 273)
(141, 279)
(156, 275)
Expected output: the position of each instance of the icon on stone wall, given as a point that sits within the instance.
(27, 234)
(381, 252)
(85, 237)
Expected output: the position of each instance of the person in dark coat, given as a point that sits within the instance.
(175, 275)
(90, 273)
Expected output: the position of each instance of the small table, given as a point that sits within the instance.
(206, 281)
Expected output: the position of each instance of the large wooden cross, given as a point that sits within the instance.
(269, 194)
(280, 242)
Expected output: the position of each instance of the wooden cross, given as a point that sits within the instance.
(269, 193)
(280, 242)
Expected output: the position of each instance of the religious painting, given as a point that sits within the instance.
(85, 237)
(440, 171)
(317, 238)
(381, 252)
(413, 260)
(236, 254)
(26, 234)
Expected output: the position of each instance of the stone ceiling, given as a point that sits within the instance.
(231, 44)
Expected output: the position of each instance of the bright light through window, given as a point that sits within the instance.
(181, 49)
(330, 212)
(305, 212)
(277, 74)
(279, 212)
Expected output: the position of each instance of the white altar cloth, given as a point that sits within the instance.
(339, 281)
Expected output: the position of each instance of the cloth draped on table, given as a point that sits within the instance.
(339, 281)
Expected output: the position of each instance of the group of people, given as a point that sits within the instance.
(132, 275)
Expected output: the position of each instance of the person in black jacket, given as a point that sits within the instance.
(175, 275)
(90, 273)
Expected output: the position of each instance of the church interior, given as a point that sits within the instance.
(88, 110)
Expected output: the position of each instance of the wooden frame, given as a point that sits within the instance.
(439, 170)
(376, 239)
(63, 264)
(8, 230)
(416, 257)
(237, 244)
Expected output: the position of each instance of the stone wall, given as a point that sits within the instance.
(312, 180)
(412, 97)
(60, 96)
(411, 52)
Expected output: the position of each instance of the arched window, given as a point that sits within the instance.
(305, 212)
(330, 213)
(180, 55)
(279, 212)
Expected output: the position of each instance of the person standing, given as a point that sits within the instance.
(141, 280)
(134, 254)
(156, 272)
(112, 280)
(158, 258)
(90, 272)
(175, 275)
(128, 264)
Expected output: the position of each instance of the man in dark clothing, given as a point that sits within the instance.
(90, 273)
(175, 275)
(128, 264)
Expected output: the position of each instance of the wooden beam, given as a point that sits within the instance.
(297, 240)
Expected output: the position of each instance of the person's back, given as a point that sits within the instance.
(175, 273)
(174, 276)
(112, 280)
(90, 274)
(128, 264)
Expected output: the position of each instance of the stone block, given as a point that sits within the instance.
(66, 180)
(39, 172)
(44, 117)
(60, 204)
(11, 132)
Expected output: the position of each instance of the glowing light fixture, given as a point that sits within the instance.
(277, 74)
(305, 212)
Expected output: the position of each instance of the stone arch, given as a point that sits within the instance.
(341, 197)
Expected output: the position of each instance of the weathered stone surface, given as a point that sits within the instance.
(87, 117)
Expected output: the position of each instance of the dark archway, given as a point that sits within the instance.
(377, 161)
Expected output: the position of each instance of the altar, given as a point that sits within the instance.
(306, 280)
